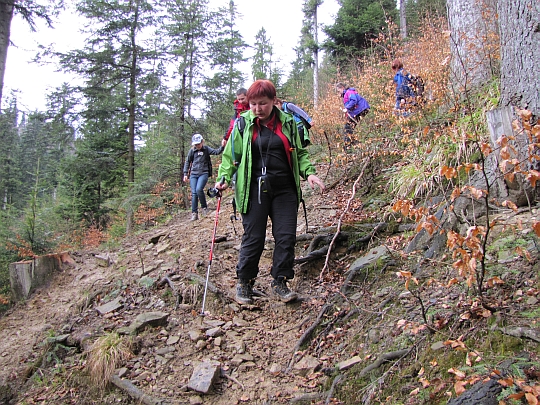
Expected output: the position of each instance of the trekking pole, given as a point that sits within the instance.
(213, 192)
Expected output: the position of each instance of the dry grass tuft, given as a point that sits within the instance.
(107, 354)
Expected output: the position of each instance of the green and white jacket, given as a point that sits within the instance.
(240, 163)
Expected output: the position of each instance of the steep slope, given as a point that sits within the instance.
(356, 335)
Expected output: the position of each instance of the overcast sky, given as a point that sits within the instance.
(33, 81)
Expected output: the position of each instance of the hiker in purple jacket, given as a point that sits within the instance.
(355, 107)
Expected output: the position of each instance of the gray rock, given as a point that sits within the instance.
(165, 350)
(347, 364)
(437, 346)
(374, 336)
(371, 257)
(214, 332)
(162, 247)
(307, 365)
(110, 306)
(203, 377)
(196, 400)
(213, 323)
(103, 260)
(172, 340)
(153, 319)
(195, 335)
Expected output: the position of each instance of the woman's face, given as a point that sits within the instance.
(262, 107)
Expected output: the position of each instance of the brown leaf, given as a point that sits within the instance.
(506, 382)
(510, 205)
(531, 399)
(458, 373)
(536, 227)
(459, 387)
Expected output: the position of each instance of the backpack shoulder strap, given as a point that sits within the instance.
(241, 124)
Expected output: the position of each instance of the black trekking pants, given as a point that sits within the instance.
(280, 205)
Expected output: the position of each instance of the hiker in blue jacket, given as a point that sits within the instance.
(355, 107)
(405, 96)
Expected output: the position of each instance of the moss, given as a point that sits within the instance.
(498, 344)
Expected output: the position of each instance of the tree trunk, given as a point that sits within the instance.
(473, 27)
(520, 53)
(402, 19)
(132, 95)
(6, 15)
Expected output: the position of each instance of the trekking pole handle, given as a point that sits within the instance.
(215, 192)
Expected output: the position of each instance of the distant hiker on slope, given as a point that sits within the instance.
(199, 167)
(355, 107)
(405, 97)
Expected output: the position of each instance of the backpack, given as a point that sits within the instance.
(416, 83)
(303, 125)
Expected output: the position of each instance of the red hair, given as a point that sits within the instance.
(261, 88)
(397, 64)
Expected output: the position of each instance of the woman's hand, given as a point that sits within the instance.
(312, 180)
(221, 185)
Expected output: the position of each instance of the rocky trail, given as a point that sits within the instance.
(161, 272)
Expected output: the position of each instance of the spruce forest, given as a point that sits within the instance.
(417, 268)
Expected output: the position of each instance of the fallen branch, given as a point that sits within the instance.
(520, 332)
(383, 358)
(338, 231)
(336, 381)
(366, 239)
(317, 254)
(308, 332)
(233, 379)
(135, 393)
(308, 397)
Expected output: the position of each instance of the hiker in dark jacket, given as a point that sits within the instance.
(405, 96)
(355, 107)
(240, 105)
(269, 161)
(199, 167)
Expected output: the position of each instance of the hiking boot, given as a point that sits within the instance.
(244, 291)
(280, 289)
(194, 216)
(204, 212)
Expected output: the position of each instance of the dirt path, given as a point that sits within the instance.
(254, 346)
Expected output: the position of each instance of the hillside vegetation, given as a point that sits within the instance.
(395, 307)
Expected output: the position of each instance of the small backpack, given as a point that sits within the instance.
(416, 83)
(301, 122)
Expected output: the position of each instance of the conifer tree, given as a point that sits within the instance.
(357, 22)
(226, 51)
(261, 66)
